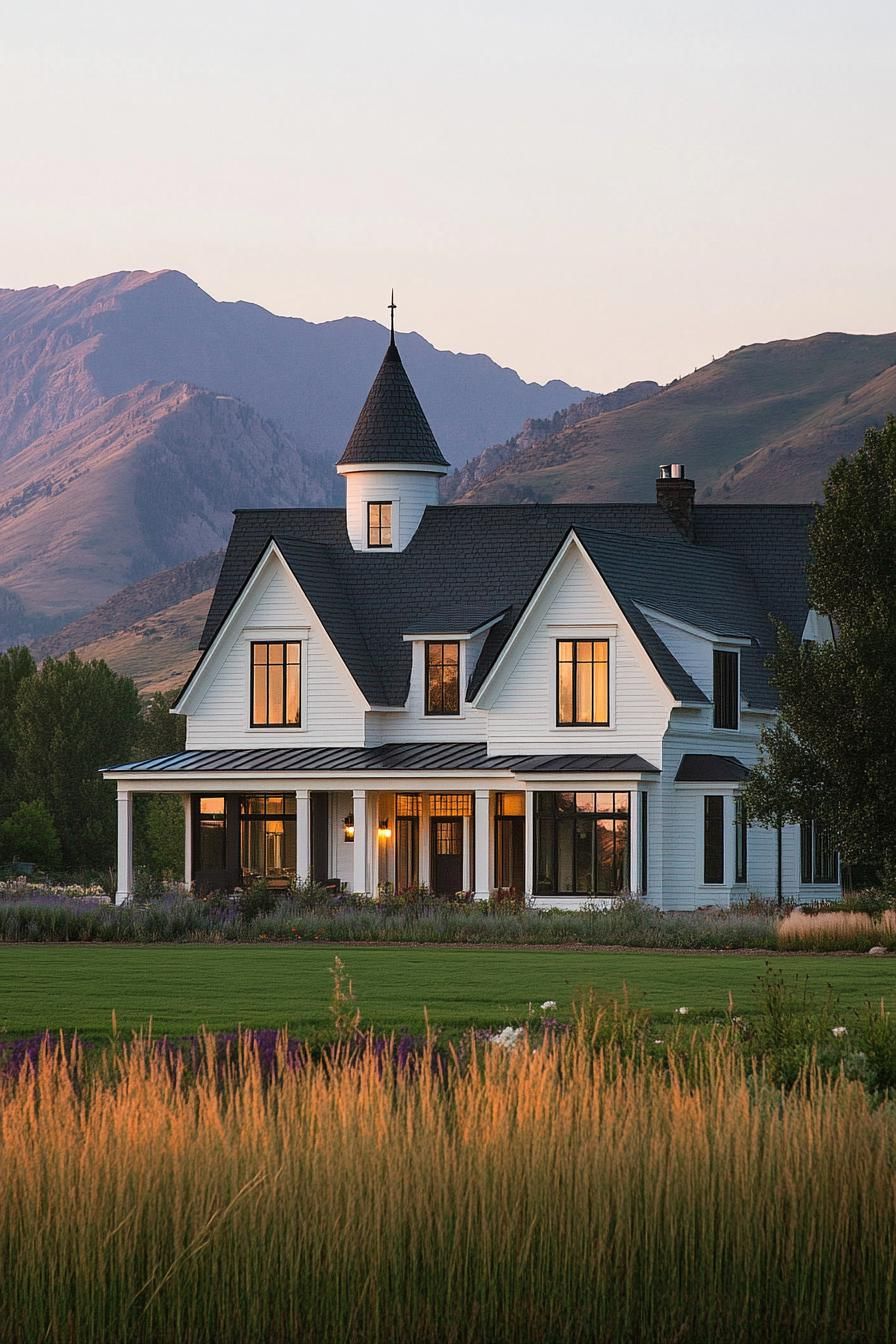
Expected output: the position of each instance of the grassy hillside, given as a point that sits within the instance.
(762, 424)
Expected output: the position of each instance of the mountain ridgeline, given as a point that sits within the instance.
(763, 424)
(136, 413)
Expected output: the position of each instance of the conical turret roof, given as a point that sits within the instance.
(392, 426)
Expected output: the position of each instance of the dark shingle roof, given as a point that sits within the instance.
(748, 562)
(393, 756)
(392, 426)
(708, 769)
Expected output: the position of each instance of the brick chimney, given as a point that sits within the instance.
(675, 493)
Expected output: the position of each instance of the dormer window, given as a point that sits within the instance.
(725, 689)
(442, 677)
(583, 683)
(276, 691)
(379, 524)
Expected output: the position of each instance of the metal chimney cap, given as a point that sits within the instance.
(672, 471)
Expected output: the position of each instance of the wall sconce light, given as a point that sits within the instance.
(348, 826)
(384, 830)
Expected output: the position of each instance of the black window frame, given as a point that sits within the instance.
(818, 854)
(442, 713)
(726, 689)
(268, 644)
(380, 526)
(576, 722)
(713, 840)
(741, 829)
(643, 814)
(252, 815)
(552, 810)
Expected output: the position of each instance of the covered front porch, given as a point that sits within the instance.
(557, 835)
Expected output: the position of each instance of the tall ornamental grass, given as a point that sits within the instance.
(837, 931)
(575, 1191)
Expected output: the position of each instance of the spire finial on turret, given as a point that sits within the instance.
(392, 306)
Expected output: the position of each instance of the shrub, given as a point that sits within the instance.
(29, 834)
(257, 899)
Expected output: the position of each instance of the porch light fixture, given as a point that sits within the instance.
(384, 830)
(348, 826)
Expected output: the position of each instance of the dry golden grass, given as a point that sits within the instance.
(836, 931)
(555, 1194)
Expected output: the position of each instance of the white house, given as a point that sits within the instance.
(563, 699)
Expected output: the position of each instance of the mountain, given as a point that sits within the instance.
(150, 630)
(762, 424)
(136, 412)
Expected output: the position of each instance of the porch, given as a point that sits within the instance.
(563, 831)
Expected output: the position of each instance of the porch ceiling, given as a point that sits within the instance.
(404, 756)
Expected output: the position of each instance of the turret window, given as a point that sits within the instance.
(379, 524)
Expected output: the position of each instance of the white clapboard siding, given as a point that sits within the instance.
(409, 493)
(332, 709)
(414, 725)
(523, 715)
(682, 836)
(693, 653)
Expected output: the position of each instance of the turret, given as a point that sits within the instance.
(391, 464)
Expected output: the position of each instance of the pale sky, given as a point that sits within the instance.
(595, 192)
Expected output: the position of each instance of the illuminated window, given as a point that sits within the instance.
(379, 524)
(276, 685)
(583, 682)
(212, 853)
(510, 840)
(268, 835)
(450, 805)
(442, 678)
(582, 843)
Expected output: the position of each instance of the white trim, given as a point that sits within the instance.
(290, 634)
(196, 686)
(498, 671)
(425, 468)
(736, 641)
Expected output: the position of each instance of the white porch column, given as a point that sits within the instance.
(188, 839)
(530, 842)
(303, 835)
(359, 853)
(481, 882)
(423, 837)
(634, 840)
(125, 875)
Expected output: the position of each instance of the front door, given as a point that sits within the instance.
(446, 855)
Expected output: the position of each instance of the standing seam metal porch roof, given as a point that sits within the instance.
(396, 756)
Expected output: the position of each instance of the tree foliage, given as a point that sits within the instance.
(72, 718)
(16, 666)
(29, 834)
(831, 755)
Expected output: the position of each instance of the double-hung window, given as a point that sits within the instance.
(379, 524)
(725, 689)
(442, 688)
(276, 693)
(583, 683)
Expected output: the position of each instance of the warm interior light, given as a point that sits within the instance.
(384, 830)
(348, 826)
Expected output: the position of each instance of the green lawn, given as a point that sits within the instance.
(183, 988)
